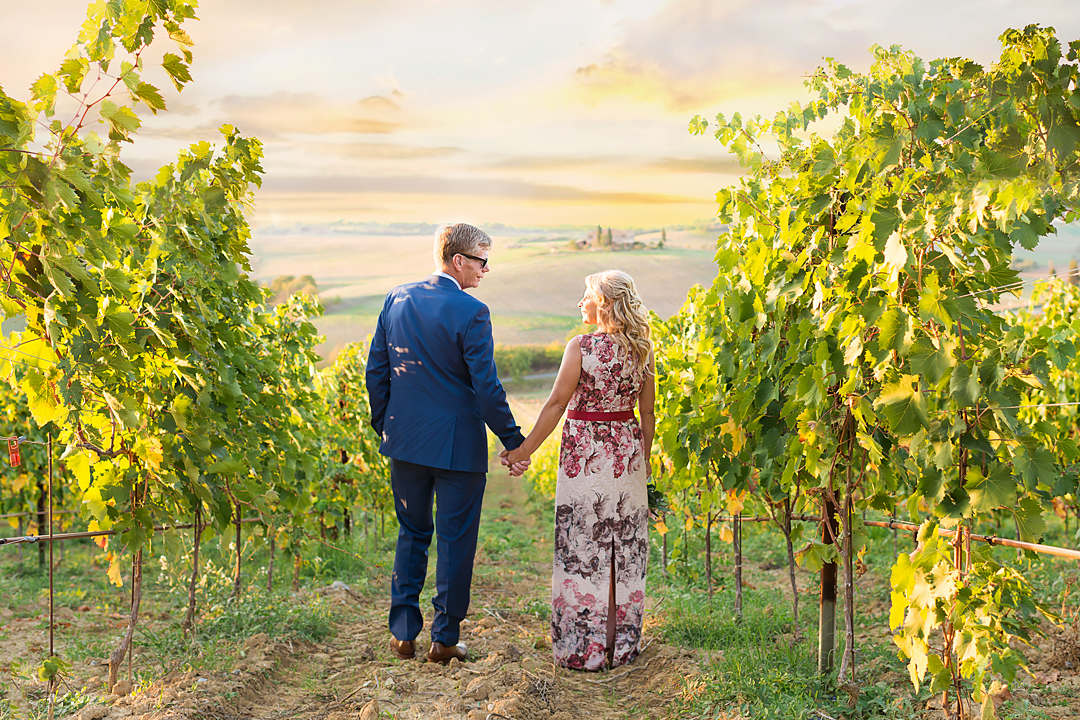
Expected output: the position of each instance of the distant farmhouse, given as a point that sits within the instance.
(601, 239)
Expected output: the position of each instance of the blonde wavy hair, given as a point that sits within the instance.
(621, 313)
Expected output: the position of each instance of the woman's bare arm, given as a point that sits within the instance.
(561, 392)
(647, 412)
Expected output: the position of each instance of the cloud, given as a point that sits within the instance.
(431, 185)
(531, 163)
(693, 54)
(362, 150)
(287, 112)
(727, 165)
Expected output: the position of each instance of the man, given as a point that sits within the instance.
(432, 385)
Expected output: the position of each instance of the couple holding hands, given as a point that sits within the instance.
(433, 387)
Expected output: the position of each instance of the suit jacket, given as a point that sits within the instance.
(431, 378)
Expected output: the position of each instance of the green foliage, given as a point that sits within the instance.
(360, 476)
(985, 611)
(1052, 319)
(754, 667)
(22, 486)
(66, 705)
(148, 350)
(276, 617)
(285, 286)
(51, 668)
(518, 360)
(848, 350)
(543, 473)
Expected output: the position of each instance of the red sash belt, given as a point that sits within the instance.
(600, 416)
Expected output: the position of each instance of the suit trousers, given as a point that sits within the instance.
(457, 521)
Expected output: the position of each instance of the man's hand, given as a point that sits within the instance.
(516, 462)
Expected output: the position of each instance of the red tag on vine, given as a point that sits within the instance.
(14, 458)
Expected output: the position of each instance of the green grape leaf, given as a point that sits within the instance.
(903, 406)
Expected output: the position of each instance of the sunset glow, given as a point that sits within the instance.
(531, 113)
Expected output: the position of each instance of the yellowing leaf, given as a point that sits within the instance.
(79, 465)
(150, 452)
(101, 541)
(114, 571)
(661, 527)
(724, 534)
(19, 482)
(42, 400)
(738, 437)
(736, 500)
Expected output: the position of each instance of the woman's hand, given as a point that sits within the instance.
(517, 460)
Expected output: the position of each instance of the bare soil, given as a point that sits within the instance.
(509, 674)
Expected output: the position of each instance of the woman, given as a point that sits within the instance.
(601, 502)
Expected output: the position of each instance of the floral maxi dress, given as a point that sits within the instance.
(601, 510)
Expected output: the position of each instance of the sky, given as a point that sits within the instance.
(552, 112)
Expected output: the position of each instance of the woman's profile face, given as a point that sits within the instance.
(588, 306)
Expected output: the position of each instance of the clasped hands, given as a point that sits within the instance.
(517, 461)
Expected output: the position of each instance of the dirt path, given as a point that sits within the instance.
(509, 675)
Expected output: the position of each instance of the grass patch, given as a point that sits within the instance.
(277, 616)
(755, 666)
(66, 705)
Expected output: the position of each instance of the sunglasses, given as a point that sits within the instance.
(483, 261)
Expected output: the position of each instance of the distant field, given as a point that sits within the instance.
(532, 289)
(535, 282)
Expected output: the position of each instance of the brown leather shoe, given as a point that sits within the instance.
(443, 654)
(404, 649)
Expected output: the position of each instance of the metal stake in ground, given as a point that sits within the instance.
(827, 607)
(52, 621)
(41, 519)
(736, 544)
(236, 587)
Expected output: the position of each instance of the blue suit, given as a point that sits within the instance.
(433, 386)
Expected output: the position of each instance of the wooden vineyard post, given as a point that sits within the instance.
(827, 607)
(270, 563)
(961, 547)
(125, 646)
(895, 552)
(131, 645)
(236, 585)
(189, 619)
(685, 536)
(663, 548)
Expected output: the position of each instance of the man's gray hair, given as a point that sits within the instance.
(458, 238)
